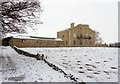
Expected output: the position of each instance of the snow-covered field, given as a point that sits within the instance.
(86, 64)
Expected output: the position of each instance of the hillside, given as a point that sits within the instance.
(85, 64)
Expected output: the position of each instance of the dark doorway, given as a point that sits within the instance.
(5, 41)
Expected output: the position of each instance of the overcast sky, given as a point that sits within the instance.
(100, 15)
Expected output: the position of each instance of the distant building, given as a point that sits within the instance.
(80, 35)
(101, 45)
(116, 44)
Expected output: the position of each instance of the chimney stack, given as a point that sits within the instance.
(72, 25)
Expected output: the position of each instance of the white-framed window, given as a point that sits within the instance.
(74, 35)
(86, 35)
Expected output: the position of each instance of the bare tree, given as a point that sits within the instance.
(18, 15)
(98, 39)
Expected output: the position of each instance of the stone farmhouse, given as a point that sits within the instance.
(80, 35)
(75, 36)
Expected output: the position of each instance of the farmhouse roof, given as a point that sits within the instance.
(25, 36)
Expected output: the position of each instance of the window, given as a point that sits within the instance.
(74, 35)
(86, 43)
(74, 42)
(80, 42)
(80, 36)
(62, 36)
(90, 43)
(86, 35)
(23, 40)
(37, 42)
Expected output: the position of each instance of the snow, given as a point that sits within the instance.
(27, 68)
(88, 64)
(26, 36)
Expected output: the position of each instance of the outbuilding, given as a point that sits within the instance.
(32, 41)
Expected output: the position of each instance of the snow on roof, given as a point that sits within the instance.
(58, 39)
(25, 36)
(46, 38)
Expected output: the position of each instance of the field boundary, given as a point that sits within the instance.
(54, 67)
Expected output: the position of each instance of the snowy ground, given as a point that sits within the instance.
(86, 64)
